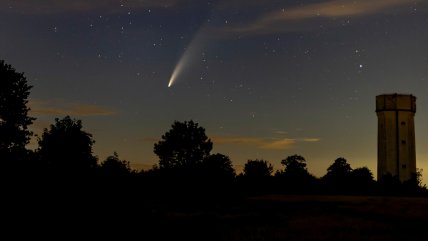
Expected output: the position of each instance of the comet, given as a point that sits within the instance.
(191, 53)
(185, 58)
(202, 38)
(174, 75)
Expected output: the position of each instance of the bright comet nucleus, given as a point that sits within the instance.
(177, 70)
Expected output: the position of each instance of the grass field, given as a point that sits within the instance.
(272, 217)
(298, 218)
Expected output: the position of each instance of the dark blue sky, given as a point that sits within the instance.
(267, 79)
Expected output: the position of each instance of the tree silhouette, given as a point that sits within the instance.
(66, 148)
(256, 169)
(338, 176)
(389, 184)
(362, 175)
(418, 178)
(295, 176)
(256, 177)
(218, 166)
(112, 166)
(339, 169)
(184, 146)
(414, 185)
(362, 180)
(14, 119)
(295, 166)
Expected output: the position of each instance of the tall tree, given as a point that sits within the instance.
(295, 176)
(338, 177)
(66, 148)
(339, 170)
(295, 165)
(185, 145)
(362, 175)
(112, 166)
(218, 166)
(361, 180)
(258, 169)
(256, 177)
(14, 119)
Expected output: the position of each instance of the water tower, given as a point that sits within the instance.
(396, 135)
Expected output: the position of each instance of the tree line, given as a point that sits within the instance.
(65, 153)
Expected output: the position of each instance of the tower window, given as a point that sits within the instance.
(403, 142)
(403, 123)
(403, 166)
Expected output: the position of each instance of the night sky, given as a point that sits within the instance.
(266, 79)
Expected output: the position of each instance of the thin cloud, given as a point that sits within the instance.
(262, 143)
(62, 108)
(311, 139)
(286, 19)
(271, 144)
(278, 144)
(279, 132)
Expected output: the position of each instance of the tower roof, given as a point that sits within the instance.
(396, 102)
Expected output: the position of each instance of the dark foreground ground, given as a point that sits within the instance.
(280, 217)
